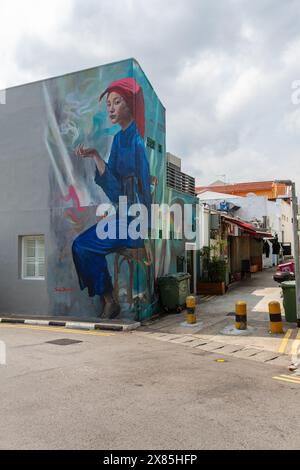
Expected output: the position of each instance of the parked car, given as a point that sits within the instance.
(286, 272)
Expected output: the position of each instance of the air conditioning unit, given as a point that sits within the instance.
(215, 221)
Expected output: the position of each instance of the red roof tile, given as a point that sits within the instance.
(243, 187)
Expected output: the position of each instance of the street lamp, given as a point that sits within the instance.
(296, 243)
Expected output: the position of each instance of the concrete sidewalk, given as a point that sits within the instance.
(215, 316)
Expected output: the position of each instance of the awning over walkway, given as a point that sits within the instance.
(250, 229)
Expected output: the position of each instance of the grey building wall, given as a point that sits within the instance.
(23, 195)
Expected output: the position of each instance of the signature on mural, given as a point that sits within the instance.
(64, 289)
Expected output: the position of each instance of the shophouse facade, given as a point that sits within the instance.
(267, 206)
(239, 243)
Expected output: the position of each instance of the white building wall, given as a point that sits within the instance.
(287, 221)
(203, 226)
(254, 208)
(206, 228)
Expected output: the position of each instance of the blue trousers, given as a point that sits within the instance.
(89, 256)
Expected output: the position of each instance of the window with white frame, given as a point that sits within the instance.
(33, 257)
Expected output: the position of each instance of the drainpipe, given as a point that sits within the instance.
(296, 243)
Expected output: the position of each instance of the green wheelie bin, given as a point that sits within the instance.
(173, 290)
(289, 300)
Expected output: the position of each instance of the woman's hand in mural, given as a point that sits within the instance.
(85, 152)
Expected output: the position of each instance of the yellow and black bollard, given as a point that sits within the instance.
(241, 315)
(275, 318)
(191, 305)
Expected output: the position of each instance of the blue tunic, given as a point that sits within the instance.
(126, 174)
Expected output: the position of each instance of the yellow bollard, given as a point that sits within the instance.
(275, 318)
(190, 305)
(241, 315)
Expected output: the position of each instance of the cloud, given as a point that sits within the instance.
(224, 70)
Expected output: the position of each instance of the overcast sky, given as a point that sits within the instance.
(224, 70)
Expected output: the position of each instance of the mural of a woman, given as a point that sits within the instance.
(125, 174)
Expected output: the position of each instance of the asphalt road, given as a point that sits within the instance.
(123, 391)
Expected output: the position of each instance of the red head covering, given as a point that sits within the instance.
(132, 93)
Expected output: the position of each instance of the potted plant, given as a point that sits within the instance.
(214, 273)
